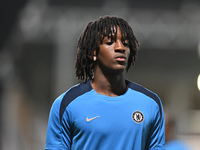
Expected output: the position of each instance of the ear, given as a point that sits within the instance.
(94, 55)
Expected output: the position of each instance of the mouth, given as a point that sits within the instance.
(120, 58)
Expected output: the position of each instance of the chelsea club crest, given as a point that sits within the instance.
(138, 116)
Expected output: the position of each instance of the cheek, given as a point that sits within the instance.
(105, 51)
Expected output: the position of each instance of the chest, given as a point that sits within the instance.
(111, 118)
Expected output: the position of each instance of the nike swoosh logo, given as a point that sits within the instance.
(88, 120)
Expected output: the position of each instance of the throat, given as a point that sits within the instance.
(112, 89)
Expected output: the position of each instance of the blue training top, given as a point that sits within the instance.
(81, 119)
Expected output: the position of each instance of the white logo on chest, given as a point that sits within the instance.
(138, 116)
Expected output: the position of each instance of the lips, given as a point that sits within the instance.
(120, 58)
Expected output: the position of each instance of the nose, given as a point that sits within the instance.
(119, 47)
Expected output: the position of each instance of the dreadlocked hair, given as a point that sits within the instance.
(93, 35)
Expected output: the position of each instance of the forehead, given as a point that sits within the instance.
(113, 30)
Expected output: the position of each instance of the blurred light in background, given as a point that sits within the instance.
(198, 82)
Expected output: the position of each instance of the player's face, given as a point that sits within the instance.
(113, 53)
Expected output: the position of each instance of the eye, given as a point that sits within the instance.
(125, 43)
(109, 43)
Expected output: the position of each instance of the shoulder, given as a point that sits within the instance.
(145, 92)
(72, 94)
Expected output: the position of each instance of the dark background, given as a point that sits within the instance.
(38, 48)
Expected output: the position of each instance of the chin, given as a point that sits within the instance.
(118, 71)
(115, 70)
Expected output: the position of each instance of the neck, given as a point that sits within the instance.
(110, 85)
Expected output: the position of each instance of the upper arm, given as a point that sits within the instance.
(156, 138)
(56, 137)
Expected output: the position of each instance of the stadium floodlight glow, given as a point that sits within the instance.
(198, 82)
